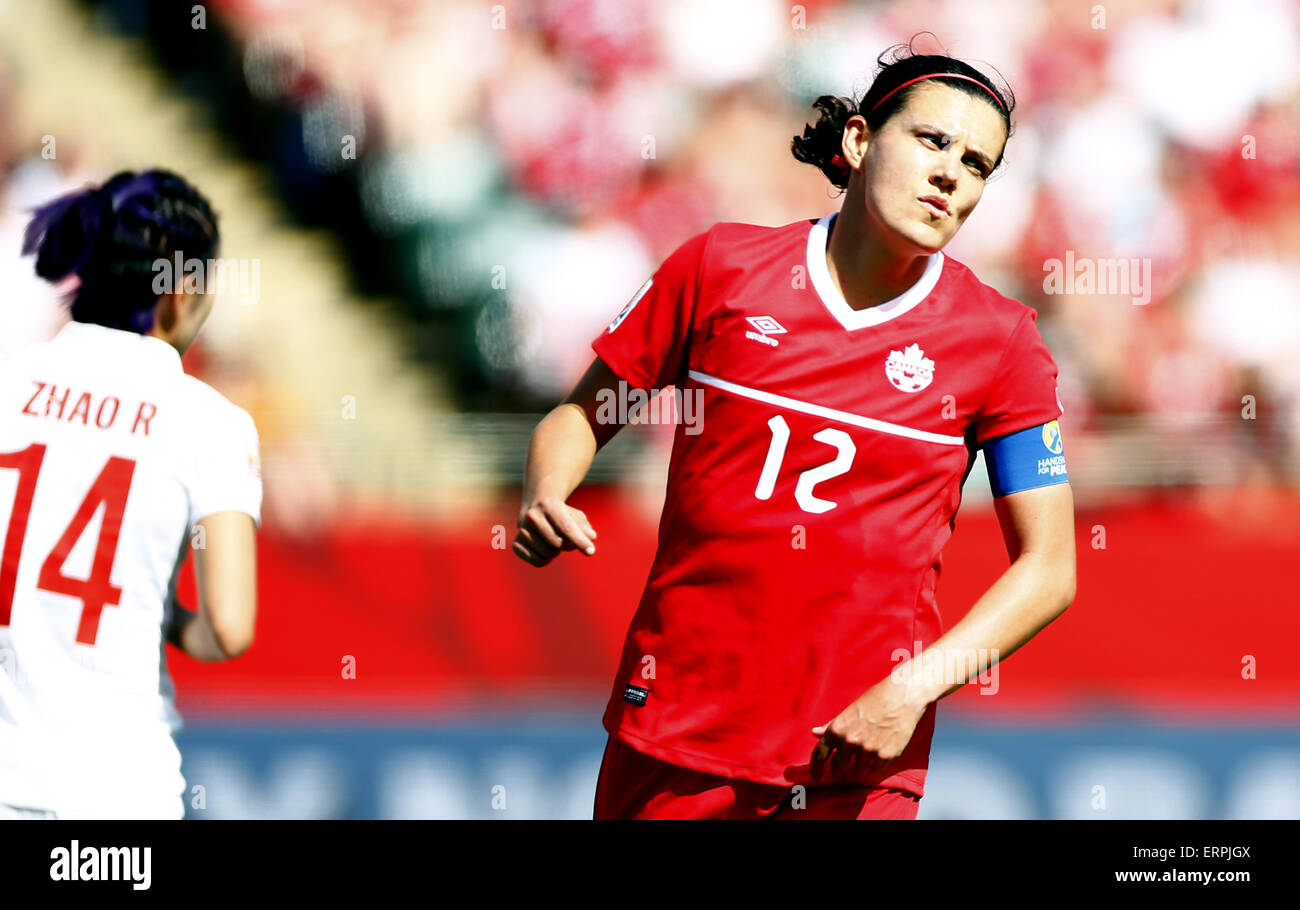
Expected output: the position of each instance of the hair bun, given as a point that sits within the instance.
(821, 142)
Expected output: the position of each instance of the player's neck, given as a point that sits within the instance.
(867, 271)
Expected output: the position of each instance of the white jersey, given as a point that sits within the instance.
(109, 455)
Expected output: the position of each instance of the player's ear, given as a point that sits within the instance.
(165, 311)
(856, 139)
(199, 307)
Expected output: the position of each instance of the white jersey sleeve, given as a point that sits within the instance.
(227, 474)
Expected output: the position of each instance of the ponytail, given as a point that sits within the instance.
(820, 143)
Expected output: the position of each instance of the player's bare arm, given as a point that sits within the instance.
(225, 569)
(1038, 529)
(559, 456)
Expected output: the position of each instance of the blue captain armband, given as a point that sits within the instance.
(1026, 459)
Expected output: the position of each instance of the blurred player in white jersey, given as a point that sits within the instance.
(113, 465)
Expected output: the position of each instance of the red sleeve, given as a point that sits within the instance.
(1023, 392)
(646, 342)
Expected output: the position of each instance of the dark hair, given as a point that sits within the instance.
(111, 236)
(821, 141)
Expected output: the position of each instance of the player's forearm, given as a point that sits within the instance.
(559, 455)
(1031, 593)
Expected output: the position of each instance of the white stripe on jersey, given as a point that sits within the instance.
(794, 404)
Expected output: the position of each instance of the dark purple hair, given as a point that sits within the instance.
(111, 236)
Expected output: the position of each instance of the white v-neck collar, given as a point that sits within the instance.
(834, 301)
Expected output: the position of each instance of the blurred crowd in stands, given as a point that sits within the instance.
(513, 172)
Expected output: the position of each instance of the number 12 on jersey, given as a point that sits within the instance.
(803, 491)
(111, 488)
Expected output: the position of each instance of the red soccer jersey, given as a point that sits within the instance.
(806, 511)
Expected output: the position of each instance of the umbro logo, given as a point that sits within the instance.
(766, 326)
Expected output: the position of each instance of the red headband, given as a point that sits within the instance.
(931, 76)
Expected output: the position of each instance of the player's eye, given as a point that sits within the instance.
(977, 166)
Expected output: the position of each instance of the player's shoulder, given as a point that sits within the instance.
(27, 355)
(206, 406)
(728, 246)
(990, 306)
(739, 233)
(28, 364)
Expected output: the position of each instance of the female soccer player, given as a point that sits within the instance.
(786, 655)
(113, 463)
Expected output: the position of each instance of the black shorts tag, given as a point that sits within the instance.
(635, 696)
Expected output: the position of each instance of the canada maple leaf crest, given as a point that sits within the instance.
(909, 370)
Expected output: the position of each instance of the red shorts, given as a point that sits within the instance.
(635, 785)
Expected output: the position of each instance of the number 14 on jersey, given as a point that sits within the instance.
(110, 488)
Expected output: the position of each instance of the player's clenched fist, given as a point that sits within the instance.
(548, 526)
(868, 734)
